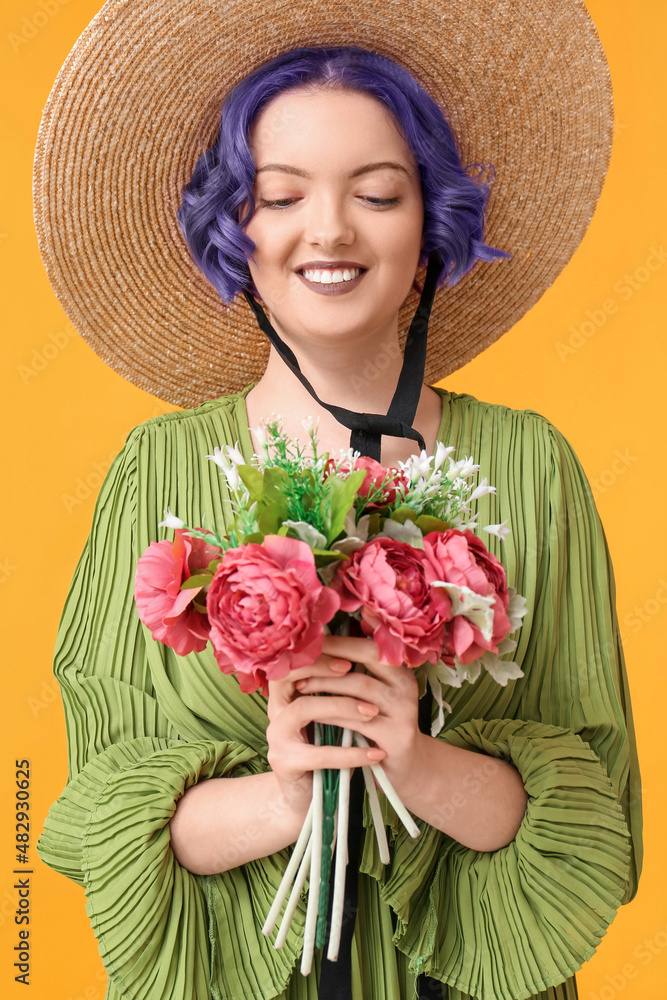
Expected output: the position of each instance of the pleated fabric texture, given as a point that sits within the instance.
(144, 725)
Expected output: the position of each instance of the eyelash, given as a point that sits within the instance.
(379, 202)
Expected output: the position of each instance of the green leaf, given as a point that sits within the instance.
(403, 514)
(428, 523)
(338, 498)
(253, 479)
(200, 580)
(256, 536)
(325, 556)
(269, 520)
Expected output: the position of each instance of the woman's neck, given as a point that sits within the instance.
(362, 384)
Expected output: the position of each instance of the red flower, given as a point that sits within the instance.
(394, 482)
(267, 606)
(461, 557)
(162, 605)
(387, 579)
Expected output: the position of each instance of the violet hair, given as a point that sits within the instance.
(224, 174)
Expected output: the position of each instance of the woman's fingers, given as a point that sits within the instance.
(283, 691)
(311, 758)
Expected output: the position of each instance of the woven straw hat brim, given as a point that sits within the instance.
(524, 85)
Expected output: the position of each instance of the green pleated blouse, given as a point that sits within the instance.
(144, 724)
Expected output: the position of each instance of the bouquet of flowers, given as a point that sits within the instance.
(312, 544)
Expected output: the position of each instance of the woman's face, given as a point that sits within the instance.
(336, 185)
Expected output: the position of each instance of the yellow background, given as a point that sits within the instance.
(67, 415)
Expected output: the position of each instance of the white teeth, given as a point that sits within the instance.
(332, 277)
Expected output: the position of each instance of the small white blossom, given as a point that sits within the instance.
(260, 434)
(219, 458)
(501, 530)
(233, 478)
(417, 467)
(461, 469)
(310, 425)
(441, 453)
(171, 521)
(481, 490)
(235, 455)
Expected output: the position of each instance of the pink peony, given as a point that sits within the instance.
(267, 606)
(162, 605)
(406, 616)
(376, 475)
(461, 557)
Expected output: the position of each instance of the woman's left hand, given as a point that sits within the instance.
(392, 690)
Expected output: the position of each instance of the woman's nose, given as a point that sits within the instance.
(328, 223)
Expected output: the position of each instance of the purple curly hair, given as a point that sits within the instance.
(223, 177)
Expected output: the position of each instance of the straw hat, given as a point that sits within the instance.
(523, 83)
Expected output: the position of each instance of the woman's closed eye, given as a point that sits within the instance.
(287, 202)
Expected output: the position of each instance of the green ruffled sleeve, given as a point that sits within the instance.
(507, 924)
(109, 829)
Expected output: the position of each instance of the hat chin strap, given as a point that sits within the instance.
(368, 428)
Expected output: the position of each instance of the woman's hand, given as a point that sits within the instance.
(381, 705)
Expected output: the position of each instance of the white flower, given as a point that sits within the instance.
(171, 521)
(499, 530)
(235, 455)
(463, 468)
(310, 425)
(218, 457)
(481, 490)
(233, 478)
(260, 434)
(441, 453)
(417, 467)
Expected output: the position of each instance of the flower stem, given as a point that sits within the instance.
(298, 852)
(341, 854)
(294, 895)
(315, 869)
(389, 790)
(376, 812)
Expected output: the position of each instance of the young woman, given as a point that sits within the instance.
(185, 795)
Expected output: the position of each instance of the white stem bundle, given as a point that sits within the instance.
(378, 818)
(294, 896)
(299, 848)
(315, 869)
(388, 789)
(342, 821)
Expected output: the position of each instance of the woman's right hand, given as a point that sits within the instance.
(291, 754)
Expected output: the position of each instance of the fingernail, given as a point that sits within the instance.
(340, 666)
(376, 754)
(368, 709)
(300, 685)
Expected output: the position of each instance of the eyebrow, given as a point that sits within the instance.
(367, 168)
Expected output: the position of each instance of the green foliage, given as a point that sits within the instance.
(338, 499)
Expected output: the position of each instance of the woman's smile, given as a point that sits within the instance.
(330, 281)
(339, 216)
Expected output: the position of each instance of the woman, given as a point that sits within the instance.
(497, 898)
